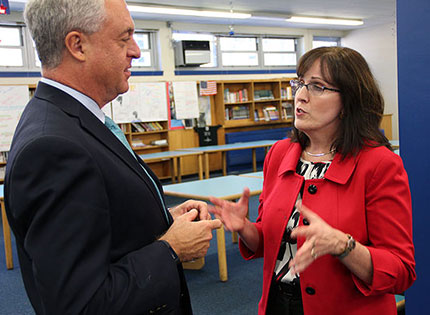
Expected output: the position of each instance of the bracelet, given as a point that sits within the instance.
(172, 252)
(350, 245)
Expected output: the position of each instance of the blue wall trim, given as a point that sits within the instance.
(20, 74)
(146, 73)
(227, 72)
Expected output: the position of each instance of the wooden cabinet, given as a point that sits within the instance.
(149, 137)
(253, 103)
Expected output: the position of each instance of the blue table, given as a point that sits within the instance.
(224, 187)
(223, 148)
(175, 157)
(6, 232)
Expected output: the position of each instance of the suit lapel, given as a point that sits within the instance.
(96, 128)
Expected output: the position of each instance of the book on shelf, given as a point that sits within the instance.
(287, 93)
(236, 96)
(287, 110)
(259, 114)
(271, 113)
(137, 127)
(260, 95)
(3, 156)
(237, 112)
(137, 143)
(159, 142)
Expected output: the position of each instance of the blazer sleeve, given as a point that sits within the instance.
(58, 197)
(389, 222)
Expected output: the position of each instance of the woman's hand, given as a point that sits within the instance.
(321, 239)
(200, 206)
(232, 215)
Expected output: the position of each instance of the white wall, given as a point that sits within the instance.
(378, 45)
(167, 60)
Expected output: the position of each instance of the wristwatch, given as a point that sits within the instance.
(350, 245)
(172, 252)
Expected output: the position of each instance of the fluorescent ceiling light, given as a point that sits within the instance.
(191, 12)
(314, 20)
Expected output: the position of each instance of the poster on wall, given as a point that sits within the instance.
(143, 102)
(186, 100)
(13, 100)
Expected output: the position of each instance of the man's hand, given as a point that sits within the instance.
(190, 239)
(188, 205)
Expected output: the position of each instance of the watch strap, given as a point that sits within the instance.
(350, 245)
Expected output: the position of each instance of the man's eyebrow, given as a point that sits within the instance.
(129, 31)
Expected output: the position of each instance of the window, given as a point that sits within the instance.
(238, 51)
(279, 52)
(325, 41)
(146, 42)
(246, 52)
(11, 46)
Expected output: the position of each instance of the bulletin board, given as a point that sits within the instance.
(143, 102)
(13, 100)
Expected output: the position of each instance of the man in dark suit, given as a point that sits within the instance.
(92, 230)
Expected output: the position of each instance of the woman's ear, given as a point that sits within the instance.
(74, 43)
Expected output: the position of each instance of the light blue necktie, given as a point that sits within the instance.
(116, 130)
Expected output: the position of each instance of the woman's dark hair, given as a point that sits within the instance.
(363, 104)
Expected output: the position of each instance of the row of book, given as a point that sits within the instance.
(3, 157)
(287, 93)
(236, 112)
(146, 126)
(260, 95)
(267, 113)
(235, 97)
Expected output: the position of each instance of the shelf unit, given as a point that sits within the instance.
(142, 143)
(254, 103)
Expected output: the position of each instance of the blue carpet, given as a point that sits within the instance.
(239, 295)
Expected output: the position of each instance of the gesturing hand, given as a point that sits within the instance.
(232, 214)
(321, 239)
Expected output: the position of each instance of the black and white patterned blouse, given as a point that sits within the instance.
(288, 249)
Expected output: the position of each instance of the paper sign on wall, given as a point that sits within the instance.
(13, 100)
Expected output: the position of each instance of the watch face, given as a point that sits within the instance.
(351, 242)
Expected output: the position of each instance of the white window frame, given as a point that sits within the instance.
(325, 39)
(153, 44)
(22, 48)
(217, 53)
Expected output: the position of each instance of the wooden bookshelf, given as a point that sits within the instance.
(241, 104)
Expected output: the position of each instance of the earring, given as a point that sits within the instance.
(341, 115)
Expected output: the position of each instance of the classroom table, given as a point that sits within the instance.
(6, 232)
(224, 187)
(175, 158)
(253, 174)
(223, 148)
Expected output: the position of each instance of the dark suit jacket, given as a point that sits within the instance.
(86, 217)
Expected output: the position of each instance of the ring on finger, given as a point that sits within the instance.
(313, 254)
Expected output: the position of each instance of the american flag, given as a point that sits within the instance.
(4, 7)
(207, 88)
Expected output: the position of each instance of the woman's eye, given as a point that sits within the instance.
(317, 87)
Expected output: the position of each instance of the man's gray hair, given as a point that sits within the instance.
(49, 21)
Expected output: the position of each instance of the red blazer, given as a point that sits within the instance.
(366, 196)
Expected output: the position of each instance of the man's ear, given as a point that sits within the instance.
(75, 42)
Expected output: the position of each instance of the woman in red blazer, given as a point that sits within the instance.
(335, 217)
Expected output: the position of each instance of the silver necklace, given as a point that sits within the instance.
(319, 154)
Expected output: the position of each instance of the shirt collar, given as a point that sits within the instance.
(89, 103)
